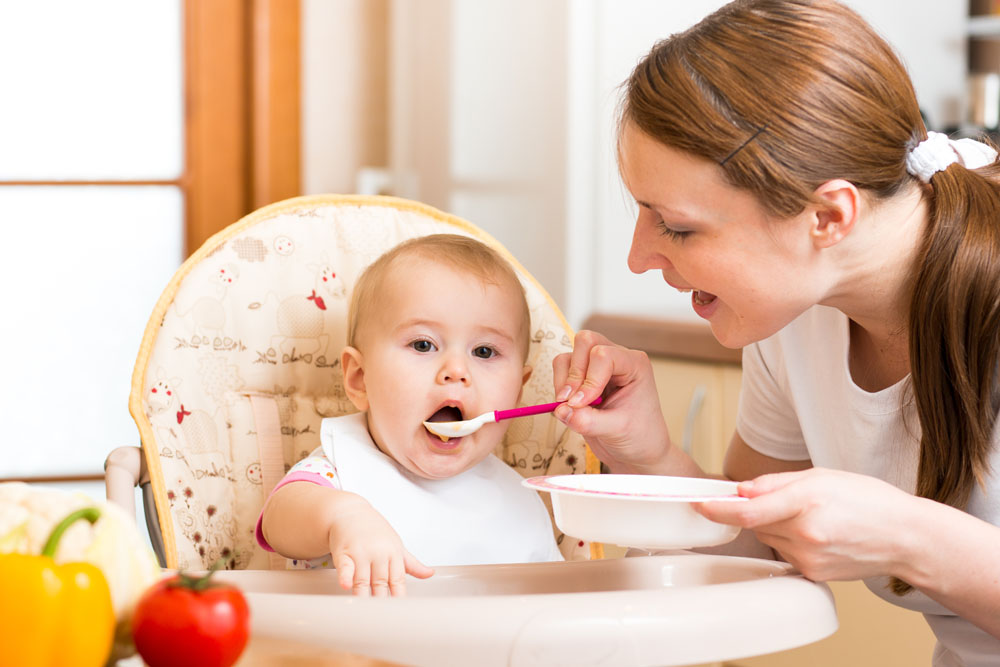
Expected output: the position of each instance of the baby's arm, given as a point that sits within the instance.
(306, 517)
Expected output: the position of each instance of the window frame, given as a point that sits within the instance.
(242, 110)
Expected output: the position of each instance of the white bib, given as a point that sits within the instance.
(480, 516)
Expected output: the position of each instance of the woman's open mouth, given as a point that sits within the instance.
(698, 297)
(704, 303)
(702, 298)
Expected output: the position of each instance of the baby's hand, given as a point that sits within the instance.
(368, 554)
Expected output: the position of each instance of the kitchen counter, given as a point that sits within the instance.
(676, 339)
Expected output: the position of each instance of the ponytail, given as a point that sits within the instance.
(955, 335)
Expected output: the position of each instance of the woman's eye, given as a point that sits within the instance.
(422, 345)
(484, 352)
(672, 233)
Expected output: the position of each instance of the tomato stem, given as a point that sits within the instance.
(91, 514)
(197, 583)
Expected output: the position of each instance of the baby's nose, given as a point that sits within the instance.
(453, 370)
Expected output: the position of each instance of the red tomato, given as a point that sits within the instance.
(181, 620)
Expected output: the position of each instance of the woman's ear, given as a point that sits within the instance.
(352, 363)
(836, 217)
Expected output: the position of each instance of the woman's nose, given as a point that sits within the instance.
(646, 253)
(638, 254)
(453, 369)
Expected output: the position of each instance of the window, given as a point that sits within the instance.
(130, 133)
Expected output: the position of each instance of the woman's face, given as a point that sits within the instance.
(749, 273)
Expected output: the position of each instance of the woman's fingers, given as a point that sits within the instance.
(560, 375)
(571, 370)
(587, 420)
(769, 483)
(606, 367)
(763, 509)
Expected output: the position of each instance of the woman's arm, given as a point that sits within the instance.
(954, 558)
(834, 525)
(744, 462)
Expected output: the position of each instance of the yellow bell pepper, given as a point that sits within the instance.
(54, 615)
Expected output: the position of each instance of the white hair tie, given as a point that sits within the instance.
(937, 152)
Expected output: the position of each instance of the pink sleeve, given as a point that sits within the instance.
(326, 478)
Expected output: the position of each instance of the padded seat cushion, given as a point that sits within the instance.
(261, 309)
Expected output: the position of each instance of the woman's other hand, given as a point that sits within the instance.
(830, 525)
(627, 431)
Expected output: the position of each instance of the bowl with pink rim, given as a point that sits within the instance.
(645, 511)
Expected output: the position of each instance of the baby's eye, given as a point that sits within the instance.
(422, 345)
(484, 352)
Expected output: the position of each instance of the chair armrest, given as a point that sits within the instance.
(124, 469)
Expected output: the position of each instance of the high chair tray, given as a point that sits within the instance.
(678, 609)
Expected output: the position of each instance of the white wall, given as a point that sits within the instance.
(478, 119)
(344, 92)
(502, 113)
(929, 36)
(930, 39)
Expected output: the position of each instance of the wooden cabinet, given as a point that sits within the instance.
(699, 401)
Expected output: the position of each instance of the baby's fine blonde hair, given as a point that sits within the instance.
(461, 253)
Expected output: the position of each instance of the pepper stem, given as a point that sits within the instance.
(91, 514)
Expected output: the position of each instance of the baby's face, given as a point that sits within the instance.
(439, 343)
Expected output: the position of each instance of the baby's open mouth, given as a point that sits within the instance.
(448, 413)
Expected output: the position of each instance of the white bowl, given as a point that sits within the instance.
(646, 511)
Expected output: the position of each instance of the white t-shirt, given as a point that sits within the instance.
(798, 401)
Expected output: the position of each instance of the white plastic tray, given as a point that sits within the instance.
(659, 610)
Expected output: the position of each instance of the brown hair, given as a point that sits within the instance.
(462, 253)
(788, 94)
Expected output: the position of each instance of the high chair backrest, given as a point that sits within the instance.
(240, 362)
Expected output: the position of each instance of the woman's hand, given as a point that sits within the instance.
(627, 432)
(830, 525)
(368, 554)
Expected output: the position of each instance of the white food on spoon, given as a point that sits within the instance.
(446, 430)
(459, 429)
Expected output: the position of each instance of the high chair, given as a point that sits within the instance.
(238, 365)
(241, 360)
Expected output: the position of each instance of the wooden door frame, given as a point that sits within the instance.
(242, 108)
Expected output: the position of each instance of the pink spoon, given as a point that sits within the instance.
(465, 427)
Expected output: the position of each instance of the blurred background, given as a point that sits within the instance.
(132, 131)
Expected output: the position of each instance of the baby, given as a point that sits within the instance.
(438, 330)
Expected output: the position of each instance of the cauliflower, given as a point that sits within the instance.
(28, 514)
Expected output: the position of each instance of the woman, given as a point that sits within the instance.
(784, 176)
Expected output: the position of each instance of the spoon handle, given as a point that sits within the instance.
(533, 409)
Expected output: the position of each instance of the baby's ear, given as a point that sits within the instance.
(526, 374)
(352, 363)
